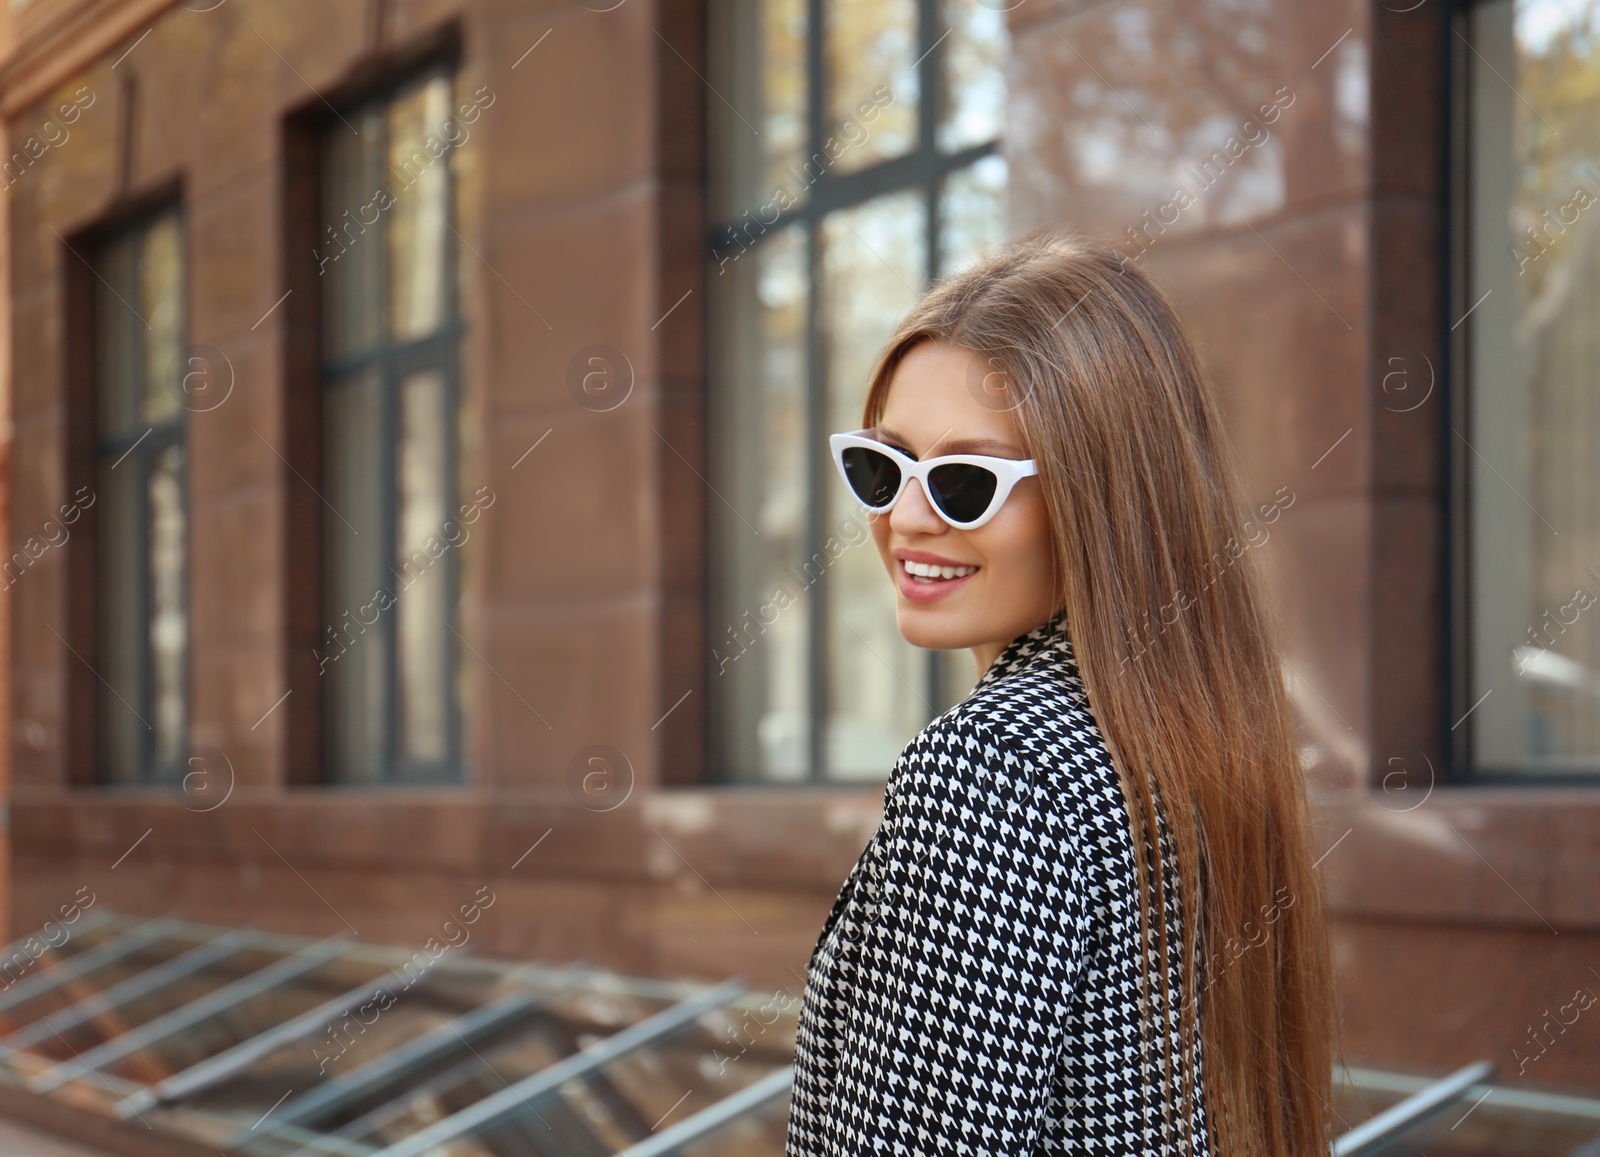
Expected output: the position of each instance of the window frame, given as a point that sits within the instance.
(89, 449)
(924, 167)
(309, 375)
(1458, 642)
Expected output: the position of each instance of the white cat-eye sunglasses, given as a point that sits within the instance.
(966, 490)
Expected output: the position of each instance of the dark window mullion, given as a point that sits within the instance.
(452, 760)
(1457, 650)
(930, 51)
(442, 769)
(387, 371)
(181, 437)
(833, 192)
(930, 100)
(140, 461)
(816, 398)
(429, 348)
(390, 553)
(454, 766)
(143, 460)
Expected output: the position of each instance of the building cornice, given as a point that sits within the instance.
(53, 40)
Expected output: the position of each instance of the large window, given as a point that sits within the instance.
(855, 157)
(140, 308)
(393, 531)
(1529, 438)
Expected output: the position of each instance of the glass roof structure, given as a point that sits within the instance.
(250, 1043)
(262, 1044)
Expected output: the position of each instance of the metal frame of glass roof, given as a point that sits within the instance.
(379, 1091)
(141, 936)
(1373, 1135)
(312, 956)
(218, 1068)
(707, 1121)
(374, 1075)
(514, 1098)
(141, 984)
(467, 1018)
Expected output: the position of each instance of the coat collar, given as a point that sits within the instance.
(1045, 644)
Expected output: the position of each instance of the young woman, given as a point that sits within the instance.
(1088, 921)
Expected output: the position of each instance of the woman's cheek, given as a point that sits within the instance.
(1019, 548)
(880, 539)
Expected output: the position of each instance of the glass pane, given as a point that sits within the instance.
(972, 213)
(422, 568)
(420, 186)
(252, 1012)
(873, 86)
(54, 1001)
(760, 627)
(169, 630)
(666, 1080)
(122, 730)
(350, 249)
(354, 651)
(44, 954)
(410, 1034)
(60, 1039)
(878, 683)
(759, 62)
(670, 1080)
(119, 327)
(1533, 437)
(568, 1023)
(161, 302)
(975, 55)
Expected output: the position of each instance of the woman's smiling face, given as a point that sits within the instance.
(933, 407)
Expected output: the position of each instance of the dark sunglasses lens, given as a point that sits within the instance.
(962, 490)
(873, 476)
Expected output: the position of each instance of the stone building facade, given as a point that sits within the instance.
(1317, 147)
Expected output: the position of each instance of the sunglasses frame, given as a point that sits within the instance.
(1007, 471)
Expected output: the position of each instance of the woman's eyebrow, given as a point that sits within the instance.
(956, 445)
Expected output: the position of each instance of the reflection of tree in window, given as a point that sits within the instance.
(143, 547)
(392, 545)
(853, 161)
(1130, 101)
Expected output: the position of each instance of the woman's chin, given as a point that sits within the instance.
(933, 626)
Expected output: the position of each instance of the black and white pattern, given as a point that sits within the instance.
(975, 988)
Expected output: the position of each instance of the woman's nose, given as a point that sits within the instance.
(914, 514)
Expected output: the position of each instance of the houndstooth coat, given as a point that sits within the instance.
(975, 988)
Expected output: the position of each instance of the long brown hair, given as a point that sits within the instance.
(1172, 639)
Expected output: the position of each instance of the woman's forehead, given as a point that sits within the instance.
(940, 400)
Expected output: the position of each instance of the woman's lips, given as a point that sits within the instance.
(919, 590)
